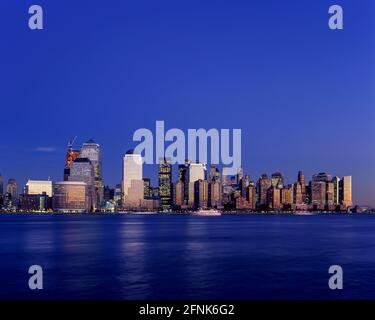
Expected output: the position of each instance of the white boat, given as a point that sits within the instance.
(207, 212)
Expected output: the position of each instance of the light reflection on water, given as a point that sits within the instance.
(186, 257)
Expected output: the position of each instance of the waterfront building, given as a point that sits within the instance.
(195, 173)
(263, 185)
(273, 198)
(251, 195)
(132, 171)
(179, 194)
(117, 197)
(297, 194)
(146, 188)
(35, 202)
(83, 170)
(336, 190)
(37, 187)
(12, 189)
(318, 194)
(201, 194)
(92, 151)
(165, 183)
(70, 196)
(330, 195)
(214, 194)
(301, 181)
(287, 196)
(346, 191)
(277, 180)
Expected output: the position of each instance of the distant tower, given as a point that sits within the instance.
(132, 179)
(1, 185)
(165, 183)
(12, 189)
(92, 151)
(263, 185)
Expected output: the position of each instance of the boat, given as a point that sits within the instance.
(207, 212)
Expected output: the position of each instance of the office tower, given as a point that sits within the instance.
(346, 191)
(251, 196)
(214, 194)
(183, 177)
(214, 173)
(146, 188)
(92, 151)
(244, 183)
(287, 195)
(277, 180)
(70, 196)
(273, 198)
(322, 176)
(12, 190)
(201, 194)
(336, 188)
(70, 156)
(132, 171)
(109, 194)
(318, 194)
(1, 185)
(179, 193)
(239, 175)
(117, 197)
(135, 195)
(195, 173)
(264, 184)
(330, 195)
(297, 194)
(301, 181)
(39, 187)
(83, 170)
(165, 183)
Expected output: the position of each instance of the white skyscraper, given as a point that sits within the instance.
(132, 179)
(196, 172)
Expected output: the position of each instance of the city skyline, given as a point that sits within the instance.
(301, 93)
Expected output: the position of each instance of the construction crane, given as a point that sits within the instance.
(71, 142)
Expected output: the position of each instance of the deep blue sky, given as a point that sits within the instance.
(302, 93)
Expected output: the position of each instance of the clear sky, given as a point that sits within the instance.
(302, 94)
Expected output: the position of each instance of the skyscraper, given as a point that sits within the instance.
(82, 170)
(92, 151)
(263, 185)
(318, 194)
(132, 171)
(301, 181)
(277, 180)
(201, 194)
(336, 188)
(147, 188)
(346, 191)
(196, 172)
(12, 189)
(179, 194)
(165, 183)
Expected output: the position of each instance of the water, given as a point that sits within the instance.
(186, 257)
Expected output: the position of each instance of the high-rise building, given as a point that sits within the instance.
(322, 176)
(318, 194)
(214, 173)
(277, 180)
(39, 187)
(273, 198)
(132, 171)
(336, 188)
(179, 194)
(70, 156)
(12, 189)
(297, 194)
(251, 196)
(117, 197)
(201, 194)
(263, 185)
(165, 183)
(92, 151)
(287, 195)
(346, 191)
(146, 188)
(214, 194)
(83, 170)
(301, 181)
(330, 195)
(70, 196)
(195, 173)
